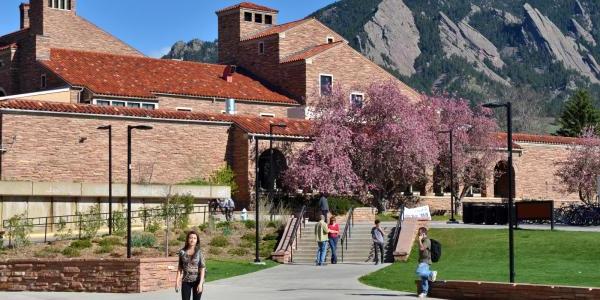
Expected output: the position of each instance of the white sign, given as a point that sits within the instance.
(421, 213)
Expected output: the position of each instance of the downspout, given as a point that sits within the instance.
(1, 142)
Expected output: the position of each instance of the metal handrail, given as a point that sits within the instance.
(77, 219)
(398, 227)
(347, 233)
(299, 223)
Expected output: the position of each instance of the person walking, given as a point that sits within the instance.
(191, 269)
(229, 208)
(377, 235)
(423, 269)
(324, 206)
(334, 230)
(321, 231)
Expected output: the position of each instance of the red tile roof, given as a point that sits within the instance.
(254, 125)
(248, 5)
(33, 105)
(542, 139)
(142, 77)
(249, 124)
(275, 30)
(306, 54)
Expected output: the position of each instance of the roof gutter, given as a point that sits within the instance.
(261, 136)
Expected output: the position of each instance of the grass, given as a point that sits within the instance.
(541, 257)
(218, 269)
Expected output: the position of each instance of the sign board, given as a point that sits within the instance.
(535, 210)
(420, 213)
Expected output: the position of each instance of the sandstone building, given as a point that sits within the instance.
(61, 77)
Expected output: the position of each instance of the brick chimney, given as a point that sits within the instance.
(24, 8)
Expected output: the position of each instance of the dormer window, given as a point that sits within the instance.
(330, 40)
(261, 48)
(268, 19)
(60, 4)
(258, 18)
(248, 16)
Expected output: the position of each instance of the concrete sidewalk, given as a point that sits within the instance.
(301, 282)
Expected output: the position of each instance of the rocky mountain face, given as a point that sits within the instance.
(194, 50)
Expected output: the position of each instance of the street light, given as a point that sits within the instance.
(451, 133)
(110, 223)
(511, 248)
(129, 129)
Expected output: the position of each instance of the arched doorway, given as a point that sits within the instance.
(501, 180)
(264, 167)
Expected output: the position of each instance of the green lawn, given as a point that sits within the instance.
(217, 269)
(543, 257)
(446, 218)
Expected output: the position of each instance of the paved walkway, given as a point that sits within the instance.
(301, 282)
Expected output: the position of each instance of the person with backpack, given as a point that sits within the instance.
(321, 236)
(425, 261)
(377, 234)
(324, 206)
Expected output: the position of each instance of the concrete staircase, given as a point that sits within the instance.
(359, 245)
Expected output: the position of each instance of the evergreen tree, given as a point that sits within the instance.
(579, 114)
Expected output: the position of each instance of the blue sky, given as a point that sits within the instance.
(152, 26)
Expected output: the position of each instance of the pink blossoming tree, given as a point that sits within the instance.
(580, 171)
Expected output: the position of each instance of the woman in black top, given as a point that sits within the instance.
(190, 273)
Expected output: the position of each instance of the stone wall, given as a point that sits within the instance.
(502, 291)
(114, 275)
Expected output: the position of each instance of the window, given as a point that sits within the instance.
(149, 105)
(356, 99)
(268, 19)
(119, 103)
(261, 48)
(267, 115)
(330, 40)
(43, 81)
(326, 84)
(248, 16)
(184, 109)
(258, 18)
(60, 4)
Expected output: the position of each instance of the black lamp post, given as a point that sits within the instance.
(510, 185)
(129, 129)
(110, 223)
(451, 133)
(256, 194)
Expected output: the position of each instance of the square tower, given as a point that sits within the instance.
(238, 21)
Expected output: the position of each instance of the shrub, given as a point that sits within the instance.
(226, 231)
(105, 248)
(225, 224)
(71, 252)
(266, 248)
(219, 241)
(91, 221)
(247, 244)
(81, 244)
(340, 205)
(273, 224)
(137, 251)
(270, 237)
(250, 224)
(248, 237)
(62, 233)
(182, 236)
(203, 227)
(238, 251)
(215, 251)
(48, 252)
(144, 239)
(19, 229)
(119, 223)
(111, 240)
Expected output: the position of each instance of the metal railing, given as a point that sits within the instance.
(398, 227)
(347, 233)
(78, 218)
(297, 225)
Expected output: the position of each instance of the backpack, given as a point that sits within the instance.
(436, 250)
